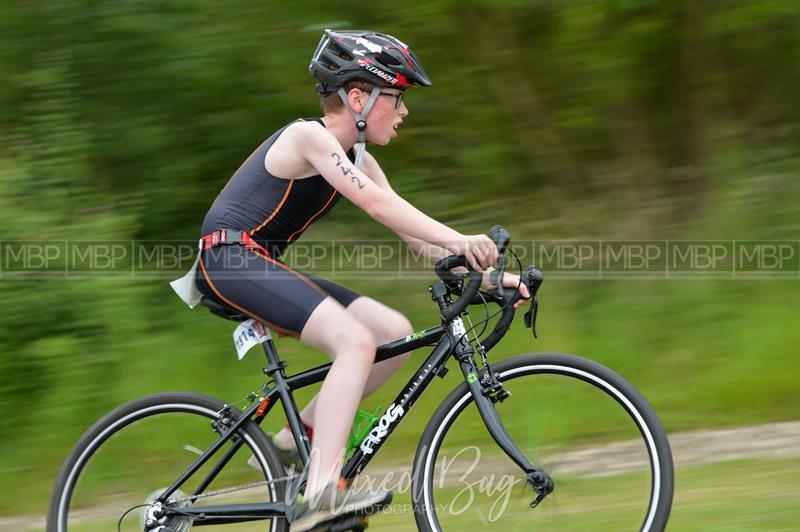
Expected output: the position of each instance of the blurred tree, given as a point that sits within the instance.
(609, 119)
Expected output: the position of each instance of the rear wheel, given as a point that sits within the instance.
(128, 458)
(583, 424)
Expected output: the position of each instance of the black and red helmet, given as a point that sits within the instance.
(377, 58)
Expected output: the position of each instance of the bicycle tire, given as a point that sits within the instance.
(548, 371)
(146, 409)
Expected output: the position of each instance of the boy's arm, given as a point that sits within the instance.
(321, 149)
(432, 251)
(428, 250)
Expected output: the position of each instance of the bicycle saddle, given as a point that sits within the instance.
(222, 310)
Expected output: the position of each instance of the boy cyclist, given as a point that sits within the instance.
(293, 179)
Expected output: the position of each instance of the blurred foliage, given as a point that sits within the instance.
(580, 119)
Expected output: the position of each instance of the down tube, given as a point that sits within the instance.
(399, 408)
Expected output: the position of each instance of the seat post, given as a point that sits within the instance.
(274, 364)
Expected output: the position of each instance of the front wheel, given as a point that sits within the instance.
(128, 458)
(588, 428)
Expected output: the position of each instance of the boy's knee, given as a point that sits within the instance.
(360, 345)
(395, 327)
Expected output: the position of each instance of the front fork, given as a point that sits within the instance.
(485, 393)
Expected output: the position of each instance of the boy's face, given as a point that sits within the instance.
(385, 116)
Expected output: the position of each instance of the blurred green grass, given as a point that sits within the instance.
(742, 495)
(745, 496)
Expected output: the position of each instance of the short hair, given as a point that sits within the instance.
(332, 102)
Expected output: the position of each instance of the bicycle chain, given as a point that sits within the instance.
(233, 489)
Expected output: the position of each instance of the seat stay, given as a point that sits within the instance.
(225, 435)
(219, 466)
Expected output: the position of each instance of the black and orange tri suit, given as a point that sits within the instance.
(274, 212)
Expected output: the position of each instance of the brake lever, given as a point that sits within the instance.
(501, 238)
(533, 278)
(530, 316)
(496, 277)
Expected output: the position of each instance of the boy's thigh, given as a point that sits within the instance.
(385, 323)
(331, 327)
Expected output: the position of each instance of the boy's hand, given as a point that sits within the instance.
(510, 280)
(479, 250)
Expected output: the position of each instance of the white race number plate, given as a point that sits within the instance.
(248, 334)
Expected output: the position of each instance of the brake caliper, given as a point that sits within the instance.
(492, 388)
(223, 420)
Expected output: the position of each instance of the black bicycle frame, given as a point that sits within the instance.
(282, 386)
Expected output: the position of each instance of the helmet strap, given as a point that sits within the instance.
(361, 122)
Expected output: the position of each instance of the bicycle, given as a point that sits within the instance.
(602, 458)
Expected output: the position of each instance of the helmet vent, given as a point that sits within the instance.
(387, 59)
(340, 52)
